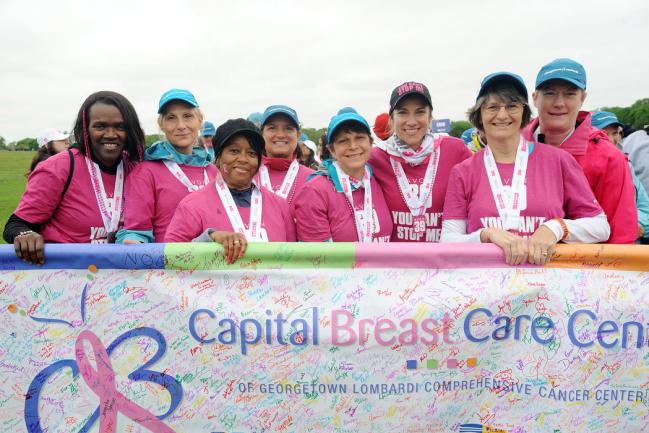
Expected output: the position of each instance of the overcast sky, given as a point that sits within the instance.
(239, 57)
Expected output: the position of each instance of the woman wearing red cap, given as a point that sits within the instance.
(172, 168)
(79, 199)
(413, 164)
(343, 202)
(232, 210)
(522, 196)
(281, 171)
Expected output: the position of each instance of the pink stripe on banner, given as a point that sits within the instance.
(429, 255)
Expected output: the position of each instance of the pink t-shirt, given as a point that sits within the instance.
(75, 218)
(453, 151)
(277, 177)
(203, 209)
(152, 194)
(324, 214)
(556, 188)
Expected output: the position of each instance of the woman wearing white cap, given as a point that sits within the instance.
(77, 197)
(559, 96)
(413, 164)
(343, 202)
(522, 196)
(172, 168)
(232, 210)
(309, 157)
(281, 171)
(50, 141)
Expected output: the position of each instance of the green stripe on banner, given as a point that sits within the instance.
(274, 255)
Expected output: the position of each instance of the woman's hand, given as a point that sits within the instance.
(513, 246)
(541, 246)
(234, 244)
(131, 242)
(30, 247)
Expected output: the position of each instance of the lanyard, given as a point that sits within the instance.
(177, 172)
(254, 232)
(110, 215)
(417, 203)
(508, 200)
(287, 184)
(364, 220)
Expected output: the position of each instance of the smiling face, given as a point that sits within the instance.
(281, 136)
(411, 120)
(106, 133)
(558, 103)
(181, 124)
(501, 120)
(351, 148)
(238, 163)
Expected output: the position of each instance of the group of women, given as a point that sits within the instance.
(413, 186)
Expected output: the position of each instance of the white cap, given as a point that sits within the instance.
(51, 134)
(311, 145)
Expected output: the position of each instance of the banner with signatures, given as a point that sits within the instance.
(324, 338)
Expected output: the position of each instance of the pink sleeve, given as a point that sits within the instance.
(184, 224)
(311, 214)
(456, 202)
(139, 200)
(578, 199)
(290, 224)
(43, 193)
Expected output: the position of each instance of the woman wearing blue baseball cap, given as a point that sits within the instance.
(172, 168)
(520, 195)
(559, 96)
(343, 202)
(281, 171)
(413, 164)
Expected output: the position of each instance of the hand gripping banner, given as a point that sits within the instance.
(324, 338)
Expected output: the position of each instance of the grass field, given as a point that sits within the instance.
(13, 166)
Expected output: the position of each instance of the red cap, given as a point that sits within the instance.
(382, 126)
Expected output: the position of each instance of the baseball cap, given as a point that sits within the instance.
(280, 109)
(176, 95)
(563, 69)
(208, 129)
(233, 127)
(347, 110)
(382, 126)
(499, 77)
(339, 119)
(50, 134)
(406, 89)
(602, 119)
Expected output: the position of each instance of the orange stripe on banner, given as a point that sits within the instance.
(601, 256)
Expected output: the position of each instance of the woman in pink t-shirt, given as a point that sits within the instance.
(413, 164)
(232, 210)
(281, 171)
(343, 202)
(76, 196)
(521, 196)
(172, 168)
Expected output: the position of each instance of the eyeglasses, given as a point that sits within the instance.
(511, 108)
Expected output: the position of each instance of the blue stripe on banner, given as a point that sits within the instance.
(80, 256)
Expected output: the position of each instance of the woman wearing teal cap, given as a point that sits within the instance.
(343, 202)
(172, 169)
(281, 171)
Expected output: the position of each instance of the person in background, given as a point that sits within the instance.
(281, 171)
(413, 164)
(608, 123)
(636, 145)
(232, 210)
(308, 157)
(323, 148)
(343, 202)
(255, 118)
(172, 169)
(520, 195)
(381, 126)
(559, 96)
(50, 142)
(77, 197)
(207, 133)
(472, 139)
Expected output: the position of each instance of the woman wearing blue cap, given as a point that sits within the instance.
(523, 197)
(413, 164)
(172, 168)
(281, 171)
(559, 96)
(343, 202)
